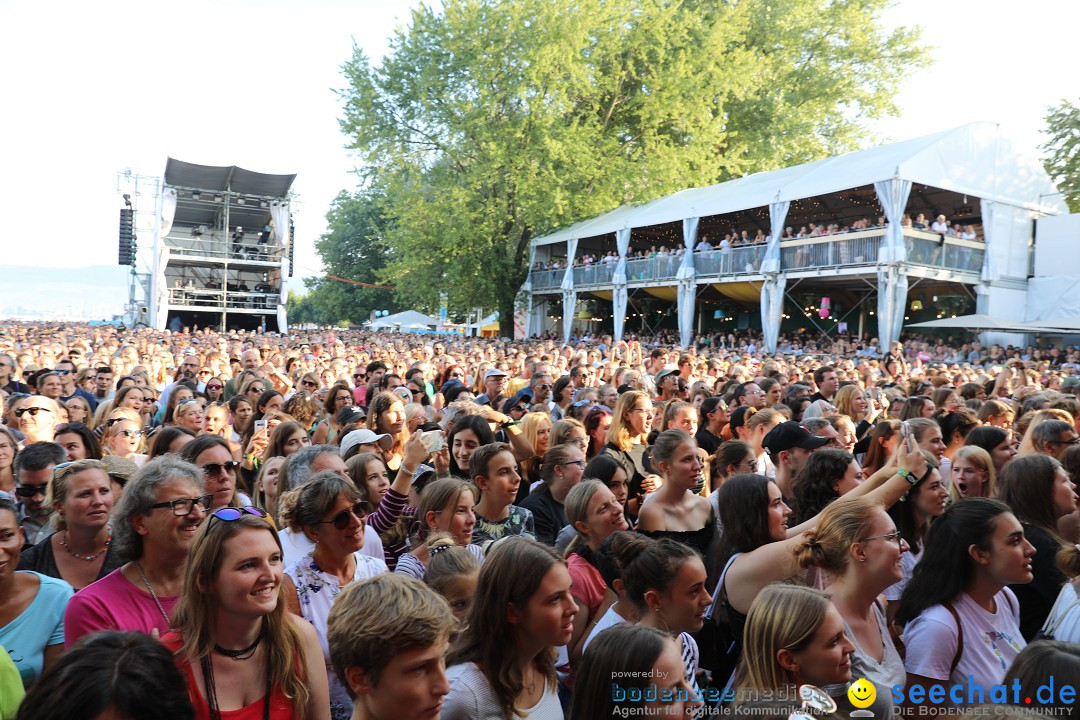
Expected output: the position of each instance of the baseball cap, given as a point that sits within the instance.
(664, 373)
(494, 372)
(1070, 382)
(790, 434)
(363, 436)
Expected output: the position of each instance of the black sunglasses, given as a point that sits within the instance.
(32, 410)
(29, 491)
(212, 469)
(341, 521)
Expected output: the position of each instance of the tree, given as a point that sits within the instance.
(1062, 160)
(352, 248)
(495, 121)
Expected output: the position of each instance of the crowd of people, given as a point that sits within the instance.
(734, 238)
(337, 524)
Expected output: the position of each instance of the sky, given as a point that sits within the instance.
(92, 89)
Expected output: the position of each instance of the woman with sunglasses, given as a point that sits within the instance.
(78, 409)
(215, 389)
(214, 456)
(80, 551)
(242, 653)
(339, 397)
(329, 511)
(123, 436)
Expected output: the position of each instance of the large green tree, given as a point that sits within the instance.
(1062, 159)
(352, 248)
(490, 122)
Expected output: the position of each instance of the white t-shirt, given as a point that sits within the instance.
(991, 641)
(609, 619)
(1066, 614)
(471, 698)
(908, 561)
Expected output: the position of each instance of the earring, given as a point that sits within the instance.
(862, 558)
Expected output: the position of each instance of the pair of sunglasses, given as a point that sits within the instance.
(212, 469)
(341, 521)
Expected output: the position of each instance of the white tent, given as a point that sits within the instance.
(409, 319)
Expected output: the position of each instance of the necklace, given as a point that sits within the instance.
(87, 558)
(242, 653)
(211, 689)
(168, 622)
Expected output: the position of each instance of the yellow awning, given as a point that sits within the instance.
(744, 292)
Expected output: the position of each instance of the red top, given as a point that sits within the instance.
(280, 707)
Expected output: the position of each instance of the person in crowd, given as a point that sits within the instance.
(388, 636)
(267, 488)
(857, 544)
(80, 551)
(9, 448)
(917, 406)
(924, 501)
(211, 453)
(642, 658)
(714, 417)
(928, 436)
(31, 605)
(563, 466)
(1037, 662)
(154, 525)
(503, 661)
(388, 502)
(169, 440)
(339, 398)
(626, 441)
(124, 436)
(994, 440)
(33, 470)
(190, 415)
(446, 506)
(1039, 492)
(78, 440)
(386, 414)
(236, 644)
(98, 678)
(676, 510)
(452, 572)
(973, 474)
(493, 469)
(38, 418)
(328, 510)
(828, 474)
(961, 622)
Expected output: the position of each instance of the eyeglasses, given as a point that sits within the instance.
(579, 463)
(359, 376)
(545, 386)
(229, 514)
(149, 399)
(62, 372)
(212, 469)
(29, 491)
(416, 392)
(215, 387)
(131, 433)
(184, 506)
(1074, 441)
(309, 383)
(341, 521)
(32, 410)
(893, 536)
(580, 442)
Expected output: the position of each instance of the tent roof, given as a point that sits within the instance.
(232, 178)
(975, 159)
(405, 319)
(984, 322)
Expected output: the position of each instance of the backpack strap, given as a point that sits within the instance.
(959, 637)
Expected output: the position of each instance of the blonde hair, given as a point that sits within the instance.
(845, 398)
(782, 617)
(560, 430)
(980, 459)
(112, 428)
(619, 434)
(843, 523)
(1027, 445)
(57, 489)
(530, 427)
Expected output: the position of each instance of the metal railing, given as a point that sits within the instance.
(658, 267)
(547, 279)
(595, 274)
(830, 251)
(944, 252)
(210, 298)
(252, 252)
(745, 260)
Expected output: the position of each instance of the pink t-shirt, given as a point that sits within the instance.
(113, 603)
(588, 584)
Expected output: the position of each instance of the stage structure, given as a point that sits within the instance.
(222, 248)
(881, 273)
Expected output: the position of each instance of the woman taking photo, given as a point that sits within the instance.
(330, 512)
(851, 401)
(238, 647)
(961, 621)
(1039, 492)
(240, 412)
(31, 605)
(79, 552)
(675, 511)
(502, 664)
(926, 500)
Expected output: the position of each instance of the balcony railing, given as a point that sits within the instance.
(855, 249)
(209, 298)
(251, 252)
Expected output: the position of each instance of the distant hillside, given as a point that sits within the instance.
(92, 293)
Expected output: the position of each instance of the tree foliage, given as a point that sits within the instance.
(493, 121)
(1062, 159)
(353, 248)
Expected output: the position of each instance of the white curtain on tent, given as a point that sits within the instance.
(283, 298)
(893, 196)
(168, 211)
(619, 296)
(777, 215)
(772, 308)
(279, 214)
(892, 301)
(569, 306)
(988, 273)
(160, 308)
(687, 287)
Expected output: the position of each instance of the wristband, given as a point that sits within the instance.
(906, 474)
(508, 424)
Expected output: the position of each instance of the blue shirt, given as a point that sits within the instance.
(40, 625)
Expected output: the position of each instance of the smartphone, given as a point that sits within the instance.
(905, 433)
(433, 440)
(260, 425)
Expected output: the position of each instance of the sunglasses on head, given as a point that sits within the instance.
(216, 468)
(229, 514)
(32, 410)
(341, 521)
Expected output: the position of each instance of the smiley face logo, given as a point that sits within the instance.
(862, 693)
